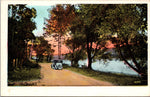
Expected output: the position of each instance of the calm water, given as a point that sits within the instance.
(113, 66)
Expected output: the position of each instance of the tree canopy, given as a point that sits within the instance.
(129, 23)
(59, 22)
(125, 25)
(20, 26)
(43, 48)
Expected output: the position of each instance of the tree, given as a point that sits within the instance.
(77, 52)
(42, 48)
(59, 22)
(20, 27)
(91, 17)
(129, 23)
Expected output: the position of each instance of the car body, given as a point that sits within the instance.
(34, 58)
(57, 65)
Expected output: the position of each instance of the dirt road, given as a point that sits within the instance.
(64, 77)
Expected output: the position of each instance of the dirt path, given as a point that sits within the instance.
(64, 77)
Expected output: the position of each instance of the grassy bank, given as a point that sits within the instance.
(30, 71)
(116, 79)
(24, 74)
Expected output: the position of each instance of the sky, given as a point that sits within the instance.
(42, 12)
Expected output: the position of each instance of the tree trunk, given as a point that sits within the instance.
(72, 56)
(132, 67)
(18, 62)
(10, 63)
(76, 63)
(89, 54)
(15, 62)
(133, 58)
(59, 46)
(72, 61)
(89, 62)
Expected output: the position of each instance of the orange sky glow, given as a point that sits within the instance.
(65, 50)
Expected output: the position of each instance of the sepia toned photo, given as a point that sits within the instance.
(77, 45)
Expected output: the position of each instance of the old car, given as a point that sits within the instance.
(57, 65)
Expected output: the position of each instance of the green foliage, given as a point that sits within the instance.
(88, 20)
(124, 24)
(24, 74)
(75, 56)
(129, 23)
(75, 44)
(20, 27)
(94, 24)
(42, 48)
(30, 64)
(30, 71)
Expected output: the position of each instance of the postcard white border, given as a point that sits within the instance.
(63, 91)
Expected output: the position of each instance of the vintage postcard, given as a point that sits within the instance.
(74, 48)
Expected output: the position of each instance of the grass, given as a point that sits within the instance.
(24, 74)
(30, 71)
(116, 79)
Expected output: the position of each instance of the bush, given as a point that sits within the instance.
(29, 64)
(65, 65)
(30, 71)
(24, 74)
